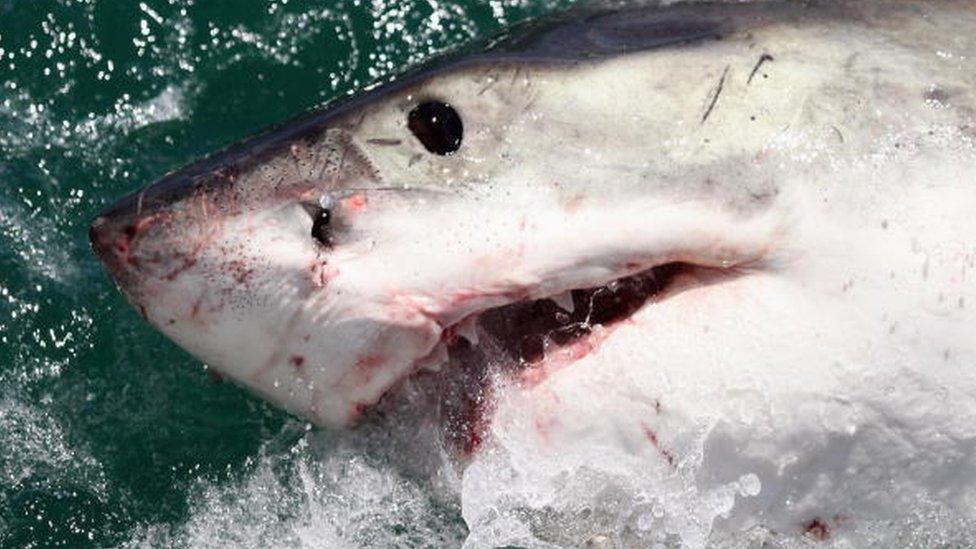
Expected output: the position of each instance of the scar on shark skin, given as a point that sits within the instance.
(762, 59)
(384, 141)
(716, 91)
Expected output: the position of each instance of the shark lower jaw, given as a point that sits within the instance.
(523, 342)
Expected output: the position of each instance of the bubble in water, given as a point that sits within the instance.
(749, 485)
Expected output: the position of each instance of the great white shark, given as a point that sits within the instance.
(733, 243)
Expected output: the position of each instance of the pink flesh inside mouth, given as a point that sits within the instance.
(525, 341)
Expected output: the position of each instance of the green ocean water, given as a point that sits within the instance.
(109, 434)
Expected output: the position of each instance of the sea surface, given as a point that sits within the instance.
(110, 435)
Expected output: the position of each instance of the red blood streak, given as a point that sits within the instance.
(188, 263)
(463, 297)
(474, 422)
(564, 356)
(818, 529)
(356, 411)
(355, 203)
(450, 335)
(368, 364)
(652, 438)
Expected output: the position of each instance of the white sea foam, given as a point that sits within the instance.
(321, 491)
(36, 449)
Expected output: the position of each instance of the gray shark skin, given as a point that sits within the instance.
(726, 244)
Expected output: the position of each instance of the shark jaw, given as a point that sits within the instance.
(525, 342)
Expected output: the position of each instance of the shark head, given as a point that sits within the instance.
(323, 262)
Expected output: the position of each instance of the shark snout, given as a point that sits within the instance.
(143, 234)
(111, 235)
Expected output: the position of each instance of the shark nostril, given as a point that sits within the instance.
(98, 234)
(94, 228)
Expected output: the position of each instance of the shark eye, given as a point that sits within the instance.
(437, 126)
(320, 226)
(322, 218)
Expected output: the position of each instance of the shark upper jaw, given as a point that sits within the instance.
(535, 336)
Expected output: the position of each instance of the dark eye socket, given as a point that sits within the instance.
(437, 126)
(321, 218)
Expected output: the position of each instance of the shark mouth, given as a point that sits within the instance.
(525, 341)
